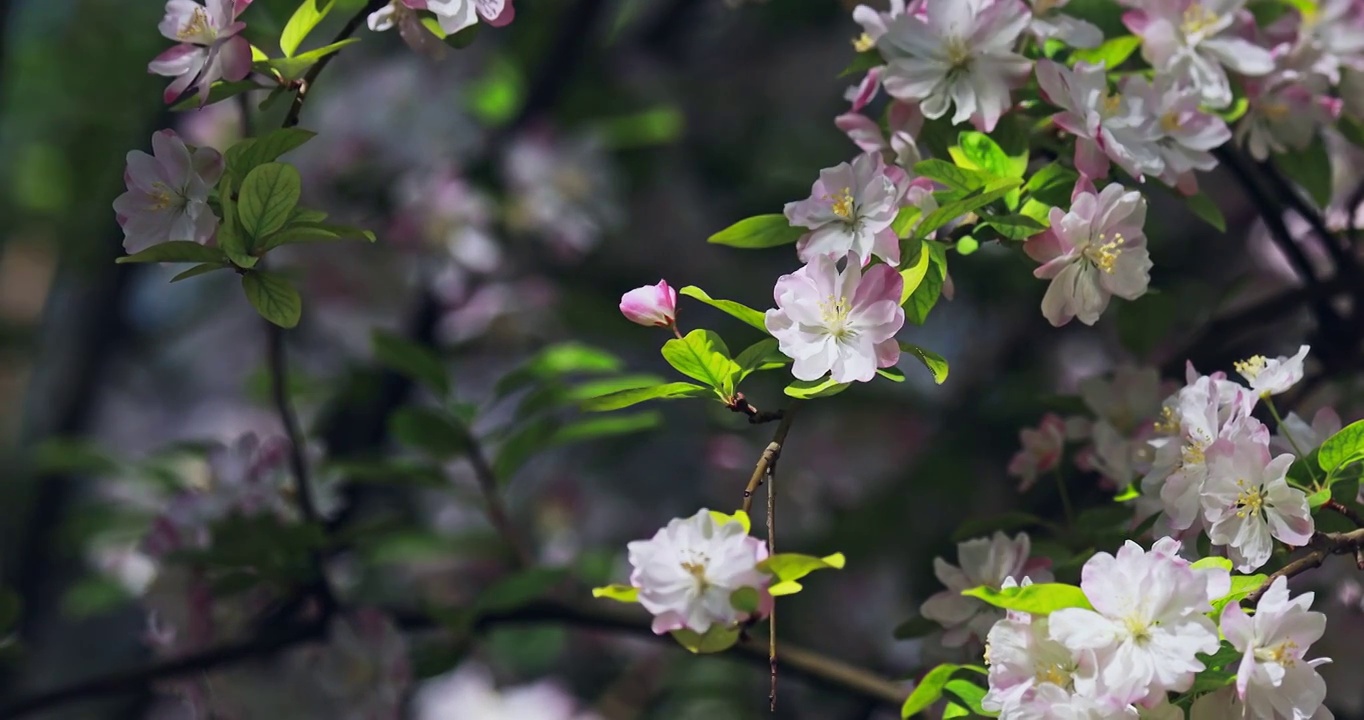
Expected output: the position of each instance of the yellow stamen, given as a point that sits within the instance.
(1054, 674)
(1249, 501)
(1168, 424)
(160, 196)
(1104, 255)
(1197, 19)
(863, 43)
(1284, 654)
(1138, 629)
(197, 27)
(834, 313)
(1275, 111)
(1169, 122)
(1110, 104)
(842, 204)
(1193, 455)
(958, 53)
(1251, 367)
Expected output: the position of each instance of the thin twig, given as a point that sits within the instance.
(1338, 507)
(769, 456)
(755, 416)
(807, 664)
(772, 550)
(496, 509)
(1323, 546)
(306, 84)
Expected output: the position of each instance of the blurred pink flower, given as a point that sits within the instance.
(1041, 451)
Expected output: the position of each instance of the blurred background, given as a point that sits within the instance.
(518, 186)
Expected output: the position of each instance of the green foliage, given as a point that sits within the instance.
(716, 639)
(519, 589)
(496, 97)
(243, 157)
(702, 355)
(634, 396)
(1241, 588)
(414, 360)
(926, 294)
(304, 20)
(273, 297)
(745, 599)
(275, 551)
(787, 568)
(201, 269)
(1112, 53)
(955, 177)
(176, 251)
(734, 309)
(929, 690)
(975, 200)
(217, 92)
(1203, 206)
(619, 593)
(1310, 168)
(555, 362)
(429, 430)
(970, 695)
(761, 355)
(811, 389)
(759, 231)
(269, 194)
(977, 151)
(74, 456)
(293, 68)
(1343, 448)
(863, 62)
(1014, 227)
(931, 360)
(1037, 599)
(301, 231)
(905, 219)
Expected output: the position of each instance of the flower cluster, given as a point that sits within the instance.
(1147, 631)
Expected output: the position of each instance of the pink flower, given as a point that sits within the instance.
(451, 15)
(211, 47)
(835, 322)
(1049, 22)
(958, 52)
(1041, 450)
(1275, 679)
(167, 197)
(651, 305)
(994, 562)
(1287, 111)
(1246, 501)
(1092, 252)
(1185, 134)
(1272, 376)
(904, 120)
(364, 666)
(850, 209)
(1192, 40)
(1105, 125)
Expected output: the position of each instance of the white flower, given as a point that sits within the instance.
(1049, 22)
(1287, 110)
(1092, 252)
(959, 52)
(1023, 658)
(1147, 626)
(991, 562)
(167, 197)
(1297, 437)
(1246, 501)
(1132, 396)
(1105, 125)
(1185, 134)
(687, 572)
(1275, 680)
(842, 323)
(564, 189)
(1271, 377)
(850, 209)
(1192, 39)
(451, 15)
(468, 692)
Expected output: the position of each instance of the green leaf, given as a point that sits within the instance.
(413, 360)
(519, 447)
(745, 599)
(863, 62)
(293, 68)
(496, 97)
(296, 232)
(243, 157)
(71, 456)
(1319, 498)
(953, 710)
(1037, 599)
(717, 639)
(983, 153)
(1014, 227)
(925, 296)
(177, 251)
(761, 355)
(217, 92)
(1309, 168)
(904, 221)
(810, 389)
(1203, 206)
(201, 269)
(1212, 562)
(273, 297)
(953, 176)
(517, 590)
(268, 195)
(893, 374)
(1346, 445)
(929, 690)
(619, 593)
(729, 307)
(969, 693)
(597, 388)
(1241, 588)
(302, 22)
(976, 200)
(555, 362)
(1052, 185)
(759, 231)
(787, 568)
(634, 396)
(230, 238)
(600, 427)
(702, 355)
(432, 431)
(660, 125)
(460, 40)
(915, 627)
(966, 245)
(1112, 53)
(739, 516)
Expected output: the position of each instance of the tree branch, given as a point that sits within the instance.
(769, 456)
(497, 511)
(809, 665)
(1323, 546)
(306, 84)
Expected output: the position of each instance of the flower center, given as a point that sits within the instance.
(697, 569)
(1169, 122)
(1104, 254)
(1275, 111)
(197, 27)
(1138, 629)
(1110, 104)
(834, 313)
(161, 196)
(1042, 7)
(841, 204)
(1251, 367)
(1192, 454)
(1197, 19)
(1168, 424)
(958, 53)
(1249, 500)
(1053, 673)
(1285, 654)
(863, 43)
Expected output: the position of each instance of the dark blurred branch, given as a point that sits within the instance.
(1280, 186)
(306, 84)
(807, 664)
(492, 499)
(769, 456)
(755, 416)
(1323, 546)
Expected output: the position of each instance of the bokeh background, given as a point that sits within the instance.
(518, 187)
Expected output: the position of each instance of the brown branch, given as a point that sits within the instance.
(755, 416)
(807, 664)
(772, 550)
(496, 509)
(1338, 507)
(1323, 546)
(769, 456)
(306, 84)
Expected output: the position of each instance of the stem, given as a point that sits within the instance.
(1347, 511)
(306, 84)
(769, 456)
(1274, 413)
(1323, 545)
(772, 550)
(496, 509)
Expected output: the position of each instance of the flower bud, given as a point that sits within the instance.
(650, 305)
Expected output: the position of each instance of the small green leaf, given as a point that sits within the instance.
(268, 195)
(519, 447)
(432, 431)
(1241, 588)
(761, 355)
(929, 690)
(1112, 53)
(967, 245)
(297, 232)
(293, 68)
(984, 154)
(619, 593)
(975, 201)
(176, 251)
(660, 125)
(273, 297)
(243, 157)
(810, 389)
(70, 456)
(925, 296)
(1037, 599)
(1212, 562)
(717, 639)
(787, 568)
(302, 22)
(970, 695)
(759, 231)
(931, 360)
(1309, 168)
(702, 355)
(217, 92)
(1346, 445)
(1014, 227)
(634, 396)
(496, 97)
(413, 360)
(863, 62)
(953, 710)
(201, 269)
(1207, 210)
(557, 361)
(905, 219)
(745, 599)
(729, 307)
(1052, 185)
(599, 427)
(892, 374)
(739, 516)
(953, 176)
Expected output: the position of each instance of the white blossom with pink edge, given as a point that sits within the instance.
(469, 692)
(1092, 252)
(651, 305)
(1185, 135)
(1024, 661)
(850, 209)
(1295, 435)
(957, 52)
(841, 323)
(1041, 451)
(1192, 41)
(991, 562)
(1107, 126)
(1275, 679)
(451, 15)
(211, 46)
(1148, 623)
(904, 123)
(1049, 22)
(687, 572)
(1272, 376)
(1287, 110)
(167, 197)
(1246, 501)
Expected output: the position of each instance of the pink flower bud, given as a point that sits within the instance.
(654, 305)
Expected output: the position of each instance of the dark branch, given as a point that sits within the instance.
(1323, 546)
